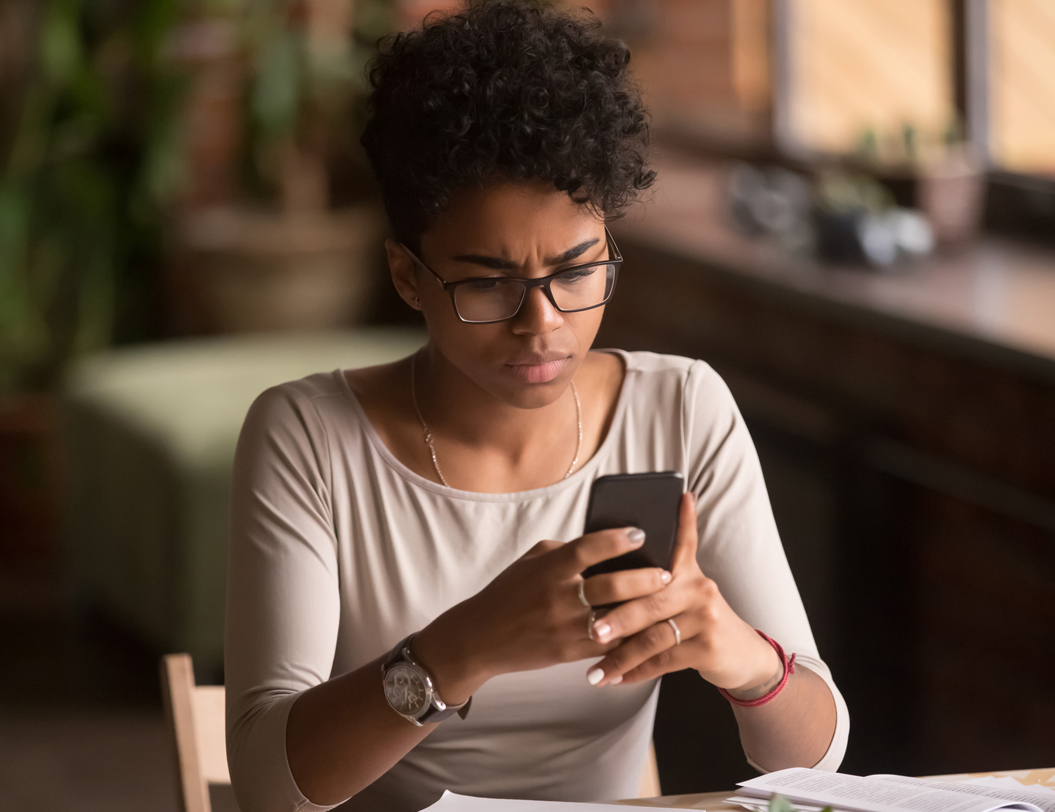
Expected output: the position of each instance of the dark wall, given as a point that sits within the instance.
(913, 481)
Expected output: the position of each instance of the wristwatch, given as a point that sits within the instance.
(410, 691)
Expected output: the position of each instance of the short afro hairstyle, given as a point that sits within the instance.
(504, 90)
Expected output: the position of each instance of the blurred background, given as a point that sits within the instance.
(854, 224)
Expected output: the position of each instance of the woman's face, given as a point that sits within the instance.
(524, 229)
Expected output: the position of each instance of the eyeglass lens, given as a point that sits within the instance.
(494, 299)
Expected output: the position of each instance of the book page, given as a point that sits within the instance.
(851, 792)
(1044, 800)
(452, 802)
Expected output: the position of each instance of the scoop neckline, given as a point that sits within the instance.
(475, 496)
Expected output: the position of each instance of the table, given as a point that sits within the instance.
(715, 801)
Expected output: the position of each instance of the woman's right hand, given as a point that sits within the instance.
(530, 616)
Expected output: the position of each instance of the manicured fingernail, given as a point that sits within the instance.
(615, 680)
(594, 676)
(602, 631)
(665, 577)
(636, 536)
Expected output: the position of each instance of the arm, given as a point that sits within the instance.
(734, 580)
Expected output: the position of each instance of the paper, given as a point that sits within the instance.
(882, 793)
(451, 802)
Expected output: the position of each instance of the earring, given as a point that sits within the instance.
(417, 302)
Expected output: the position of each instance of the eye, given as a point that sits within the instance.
(484, 284)
(576, 274)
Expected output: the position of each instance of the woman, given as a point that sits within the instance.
(442, 497)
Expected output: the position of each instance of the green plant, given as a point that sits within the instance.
(86, 165)
(307, 88)
(778, 803)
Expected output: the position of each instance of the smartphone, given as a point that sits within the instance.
(650, 501)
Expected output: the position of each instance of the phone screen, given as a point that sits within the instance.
(650, 501)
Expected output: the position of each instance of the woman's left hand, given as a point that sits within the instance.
(714, 640)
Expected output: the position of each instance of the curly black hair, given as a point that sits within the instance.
(504, 90)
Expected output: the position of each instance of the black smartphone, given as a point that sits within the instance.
(650, 501)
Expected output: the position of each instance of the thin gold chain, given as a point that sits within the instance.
(432, 447)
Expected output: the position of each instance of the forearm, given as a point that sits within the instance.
(342, 735)
(795, 729)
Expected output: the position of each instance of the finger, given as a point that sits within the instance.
(685, 547)
(658, 642)
(616, 587)
(666, 662)
(593, 548)
(543, 547)
(637, 615)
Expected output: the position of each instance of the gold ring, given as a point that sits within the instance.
(677, 632)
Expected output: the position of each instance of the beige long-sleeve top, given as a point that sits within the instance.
(338, 551)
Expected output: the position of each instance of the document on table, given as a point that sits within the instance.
(451, 802)
(813, 789)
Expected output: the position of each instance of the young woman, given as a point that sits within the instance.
(407, 538)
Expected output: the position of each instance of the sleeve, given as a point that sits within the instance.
(283, 604)
(739, 546)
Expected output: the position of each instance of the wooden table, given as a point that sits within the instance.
(715, 801)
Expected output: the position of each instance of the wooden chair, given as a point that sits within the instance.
(195, 715)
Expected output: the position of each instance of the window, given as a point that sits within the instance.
(1021, 68)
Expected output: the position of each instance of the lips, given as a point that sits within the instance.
(537, 368)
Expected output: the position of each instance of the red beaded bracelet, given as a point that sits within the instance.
(789, 669)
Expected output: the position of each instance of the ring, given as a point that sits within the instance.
(674, 626)
(589, 623)
(582, 595)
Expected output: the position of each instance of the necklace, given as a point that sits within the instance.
(432, 447)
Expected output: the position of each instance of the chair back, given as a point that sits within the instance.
(195, 716)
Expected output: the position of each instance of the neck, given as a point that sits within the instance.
(464, 417)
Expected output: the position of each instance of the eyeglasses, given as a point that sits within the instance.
(487, 299)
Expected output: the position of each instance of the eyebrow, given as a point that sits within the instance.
(499, 264)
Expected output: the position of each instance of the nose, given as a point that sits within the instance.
(537, 315)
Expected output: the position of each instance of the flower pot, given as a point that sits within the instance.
(248, 270)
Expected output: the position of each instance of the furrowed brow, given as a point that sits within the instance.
(499, 264)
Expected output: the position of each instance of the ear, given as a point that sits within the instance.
(404, 273)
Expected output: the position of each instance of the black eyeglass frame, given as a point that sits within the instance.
(543, 282)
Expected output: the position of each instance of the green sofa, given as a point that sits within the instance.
(149, 435)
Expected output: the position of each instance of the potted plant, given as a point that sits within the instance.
(284, 256)
(88, 159)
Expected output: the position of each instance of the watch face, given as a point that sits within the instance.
(406, 690)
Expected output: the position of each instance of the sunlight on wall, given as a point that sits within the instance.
(1022, 92)
(860, 65)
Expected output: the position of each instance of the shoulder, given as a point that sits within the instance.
(294, 414)
(693, 379)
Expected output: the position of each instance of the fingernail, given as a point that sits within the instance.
(636, 536)
(602, 631)
(665, 577)
(595, 676)
(615, 680)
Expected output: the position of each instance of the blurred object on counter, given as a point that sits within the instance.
(951, 192)
(282, 256)
(857, 220)
(839, 217)
(773, 201)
